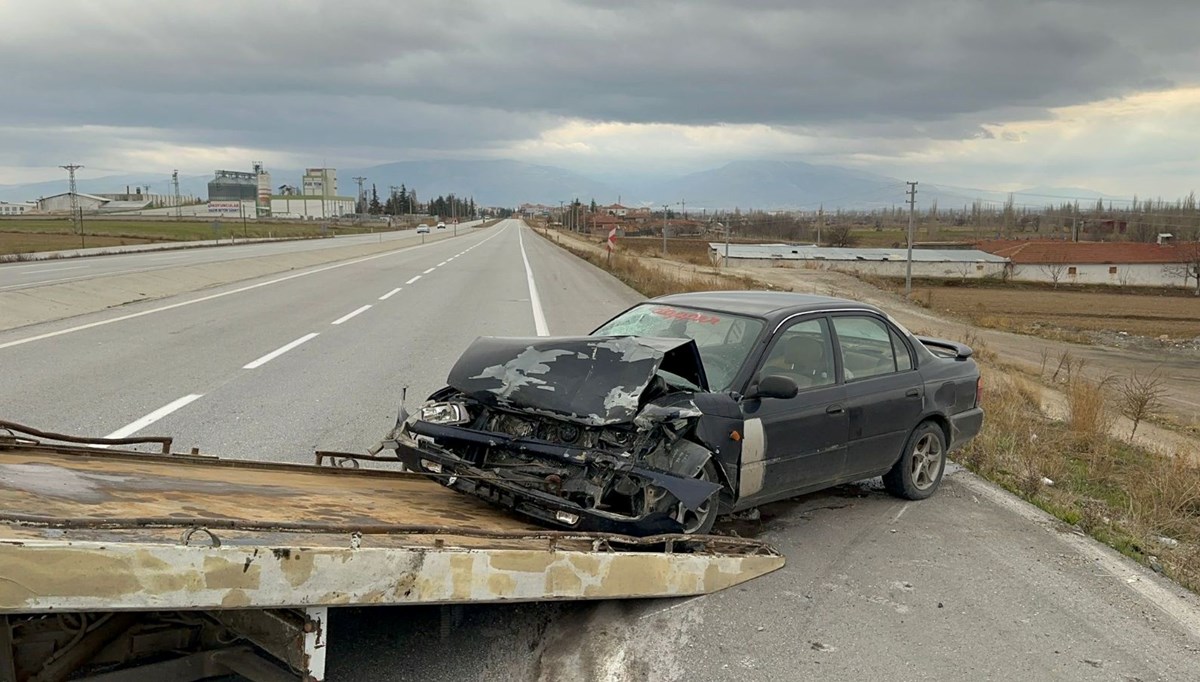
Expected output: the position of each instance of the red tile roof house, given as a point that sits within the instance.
(1119, 263)
(602, 222)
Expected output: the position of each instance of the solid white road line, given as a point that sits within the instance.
(154, 416)
(347, 316)
(539, 317)
(429, 271)
(279, 351)
(413, 279)
(390, 294)
(54, 269)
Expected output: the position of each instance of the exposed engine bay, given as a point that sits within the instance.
(593, 433)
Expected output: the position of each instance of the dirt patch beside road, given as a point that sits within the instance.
(1177, 317)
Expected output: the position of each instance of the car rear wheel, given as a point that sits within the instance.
(918, 472)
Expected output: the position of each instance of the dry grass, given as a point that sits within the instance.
(24, 242)
(691, 251)
(655, 281)
(27, 236)
(1142, 503)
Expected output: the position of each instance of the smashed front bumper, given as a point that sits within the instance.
(418, 446)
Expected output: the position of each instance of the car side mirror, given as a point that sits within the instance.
(774, 386)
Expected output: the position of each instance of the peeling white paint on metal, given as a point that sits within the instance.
(754, 448)
(516, 373)
(315, 642)
(127, 575)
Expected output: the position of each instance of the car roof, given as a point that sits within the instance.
(769, 304)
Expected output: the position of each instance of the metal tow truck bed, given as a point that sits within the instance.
(266, 548)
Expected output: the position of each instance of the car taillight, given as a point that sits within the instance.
(978, 390)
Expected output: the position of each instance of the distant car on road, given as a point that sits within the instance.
(441, 225)
(692, 405)
(422, 229)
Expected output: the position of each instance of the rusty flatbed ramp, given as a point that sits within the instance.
(89, 529)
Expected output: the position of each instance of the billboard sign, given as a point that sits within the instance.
(224, 206)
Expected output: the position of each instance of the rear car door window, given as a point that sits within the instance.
(866, 347)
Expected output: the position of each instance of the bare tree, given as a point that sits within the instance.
(1141, 398)
(840, 235)
(1055, 270)
(1189, 265)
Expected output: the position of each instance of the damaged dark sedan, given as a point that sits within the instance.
(690, 406)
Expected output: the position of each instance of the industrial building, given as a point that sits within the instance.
(228, 185)
(319, 182)
(16, 208)
(88, 203)
(249, 195)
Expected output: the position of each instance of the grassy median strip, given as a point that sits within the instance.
(20, 236)
(1142, 503)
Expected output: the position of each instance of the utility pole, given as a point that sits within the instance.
(683, 203)
(178, 203)
(664, 230)
(728, 229)
(820, 222)
(361, 200)
(912, 208)
(71, 168)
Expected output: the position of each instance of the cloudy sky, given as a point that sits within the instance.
(998, 94)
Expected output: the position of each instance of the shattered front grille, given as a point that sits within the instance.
(563, 432)
(549, 430)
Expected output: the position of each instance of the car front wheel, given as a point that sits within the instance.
(918, 472)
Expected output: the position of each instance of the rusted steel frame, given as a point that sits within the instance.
(204, 665)
(206, 460)
(599, 540)
(164, 441)
(322, 455)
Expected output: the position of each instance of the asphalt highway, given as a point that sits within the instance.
(23, 275)
(970, 584)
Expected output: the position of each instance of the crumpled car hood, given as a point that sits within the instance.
(594, 380)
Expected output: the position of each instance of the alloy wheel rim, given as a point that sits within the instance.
(926, 462)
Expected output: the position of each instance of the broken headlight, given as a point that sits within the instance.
(443, 413)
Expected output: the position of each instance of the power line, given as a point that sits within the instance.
(912, 209)
(178, 203)
(71, 168)
(361, 200)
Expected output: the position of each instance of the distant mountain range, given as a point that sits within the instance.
(750, 184)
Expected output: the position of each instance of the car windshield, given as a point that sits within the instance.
(724, 340)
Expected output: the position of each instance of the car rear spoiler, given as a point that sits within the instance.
(945, 348)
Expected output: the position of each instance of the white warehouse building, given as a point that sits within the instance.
(16, 208)
(943, 263)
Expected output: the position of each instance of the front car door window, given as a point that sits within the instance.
(804, 353)
(799, 443)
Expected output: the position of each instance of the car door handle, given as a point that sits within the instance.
(913, 393)
(834, 409)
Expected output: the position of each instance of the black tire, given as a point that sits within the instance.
(701, 521)
(918, 472)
